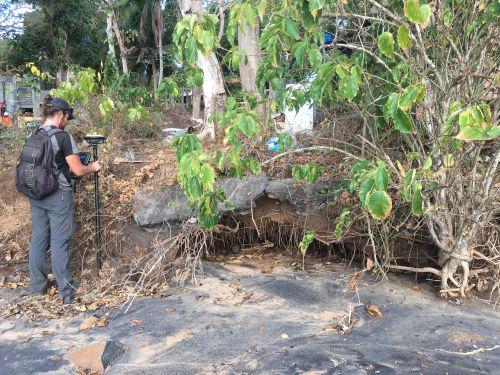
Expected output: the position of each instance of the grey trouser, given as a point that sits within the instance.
(53, 223)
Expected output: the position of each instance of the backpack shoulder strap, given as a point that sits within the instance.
(51, 132)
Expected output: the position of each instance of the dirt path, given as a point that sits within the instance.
(240, 320)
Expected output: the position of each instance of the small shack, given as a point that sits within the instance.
(17, 99)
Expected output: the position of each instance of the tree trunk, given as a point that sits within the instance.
(248, 41)
(65, 66)
(159, 18)
(155, 82)
(109, 34)
(119, 38)
(196, 95)
(49, 6)
(214, 94)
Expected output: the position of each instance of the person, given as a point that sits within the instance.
(52, 218)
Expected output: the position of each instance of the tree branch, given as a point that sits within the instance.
(314, 148)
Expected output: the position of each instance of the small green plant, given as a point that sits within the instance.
(343, 222)
(306, 172)
(307, 240)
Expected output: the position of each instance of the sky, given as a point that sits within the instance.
(11, 18)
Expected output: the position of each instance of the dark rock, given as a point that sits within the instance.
(242, 193)
(96, 356)
(306, 198)
(170, 205)
(236, 248)
(167, 205)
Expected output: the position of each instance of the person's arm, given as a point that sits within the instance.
(76, 166)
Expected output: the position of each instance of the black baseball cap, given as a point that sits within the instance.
(61, 104)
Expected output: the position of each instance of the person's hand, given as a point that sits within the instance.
(96, 167)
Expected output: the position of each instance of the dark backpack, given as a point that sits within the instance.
(36, 174)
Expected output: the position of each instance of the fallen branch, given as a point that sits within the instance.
(125, 160)
(480, 350)
(415, 269)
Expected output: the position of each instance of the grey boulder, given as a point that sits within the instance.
(157, 207)
(306, 198)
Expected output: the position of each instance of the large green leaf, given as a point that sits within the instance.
(478, 133)
(402, 121)
(381, 178)
(391, 107)
(315, 57)
(300, 50)
(191, 51)
(291, 28)
(417, 203)
(207, 176)
(404, 39)
(365, 190)
(425, 15)
(379, 205)
(412, 10)
(427, 164)
(408, 98)
(348, 87)
(261, 9)
(386, 44)
(273, 51)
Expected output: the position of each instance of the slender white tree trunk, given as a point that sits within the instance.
(214, 94)
(196, 97)
(118, 35)
(248, 40)
(213, 91)
(159, 15)
(109, 34)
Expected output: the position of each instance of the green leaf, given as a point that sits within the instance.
(381, 178)
(412, 10)
(363, 164)
(356, 73)
(315, 6)
(477, 133)
(391, 107)
(291, 28)
(408, 98)
(402, 121)
(261, 9)
(231, 103)
(194, 187)
(379, 205)
(315, 57)
(412, 155)
(427, 164)
(386, 44)
(300, 50)
(254, 166)
(273, 51)
(348, 87)
(417, 203)
(191, 51)
(425, 15)
(447, 18)
(207, 176)
(404, 39)
(493, 132)
(307, 239)
(365, 190)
